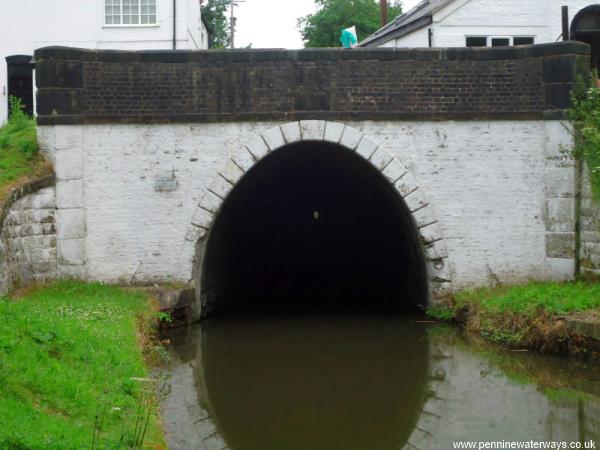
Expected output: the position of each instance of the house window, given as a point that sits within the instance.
(130, 12)
(500, 42)
(523, 40)
(476, 41)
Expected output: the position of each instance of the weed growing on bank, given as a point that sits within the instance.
(528, 299)
(19, 152)
(72, 370)
(585, 117)
(530, 315)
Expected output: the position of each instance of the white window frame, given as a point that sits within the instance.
(138, 14)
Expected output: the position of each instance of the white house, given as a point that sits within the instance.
(487, 23)
(104, 24)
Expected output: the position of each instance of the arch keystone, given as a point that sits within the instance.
(312, 130)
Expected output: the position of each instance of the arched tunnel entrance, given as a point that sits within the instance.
(313, 226)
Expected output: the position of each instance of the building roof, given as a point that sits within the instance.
(419, 16)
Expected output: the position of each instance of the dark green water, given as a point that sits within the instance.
(366, 383)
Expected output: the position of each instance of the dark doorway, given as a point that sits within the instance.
(586, 28)
(313, 226)
(20, 81)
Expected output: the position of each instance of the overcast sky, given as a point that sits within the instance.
(273, 23)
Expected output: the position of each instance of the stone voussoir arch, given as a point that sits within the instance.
(414, 195)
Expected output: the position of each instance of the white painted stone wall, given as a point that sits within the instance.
(590, 228)
(30, 24)
(508, 18)
(28, 241)
(126, 194)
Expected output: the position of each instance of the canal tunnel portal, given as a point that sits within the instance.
(481, 131)
(313, 226)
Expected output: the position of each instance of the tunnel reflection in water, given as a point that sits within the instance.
(313, 225)
(354, 383)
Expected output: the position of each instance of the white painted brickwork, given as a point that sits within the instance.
(590, 229)
(480, 192)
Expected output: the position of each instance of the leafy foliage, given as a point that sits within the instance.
(323, 28)
(72, 373)
(585, 117)
(214, 13)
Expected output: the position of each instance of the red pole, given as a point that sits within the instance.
(384, 12)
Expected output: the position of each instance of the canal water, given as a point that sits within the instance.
(367, 383)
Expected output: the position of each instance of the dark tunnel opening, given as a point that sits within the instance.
(313, 227)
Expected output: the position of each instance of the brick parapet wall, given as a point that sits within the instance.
(87, 86)
(28, 235)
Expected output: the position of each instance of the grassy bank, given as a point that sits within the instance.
(19, 156)
(531, 316)
(72, 371)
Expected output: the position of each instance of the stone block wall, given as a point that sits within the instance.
(590, 229)
(28, 236)
(559, 201)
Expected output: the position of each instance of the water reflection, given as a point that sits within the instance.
(360, 383)
(310, 384)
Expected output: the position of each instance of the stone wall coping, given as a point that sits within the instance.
(349, 116)
(316, 54)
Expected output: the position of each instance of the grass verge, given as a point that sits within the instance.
(19, 153)
(530, 316)
(72, 369)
